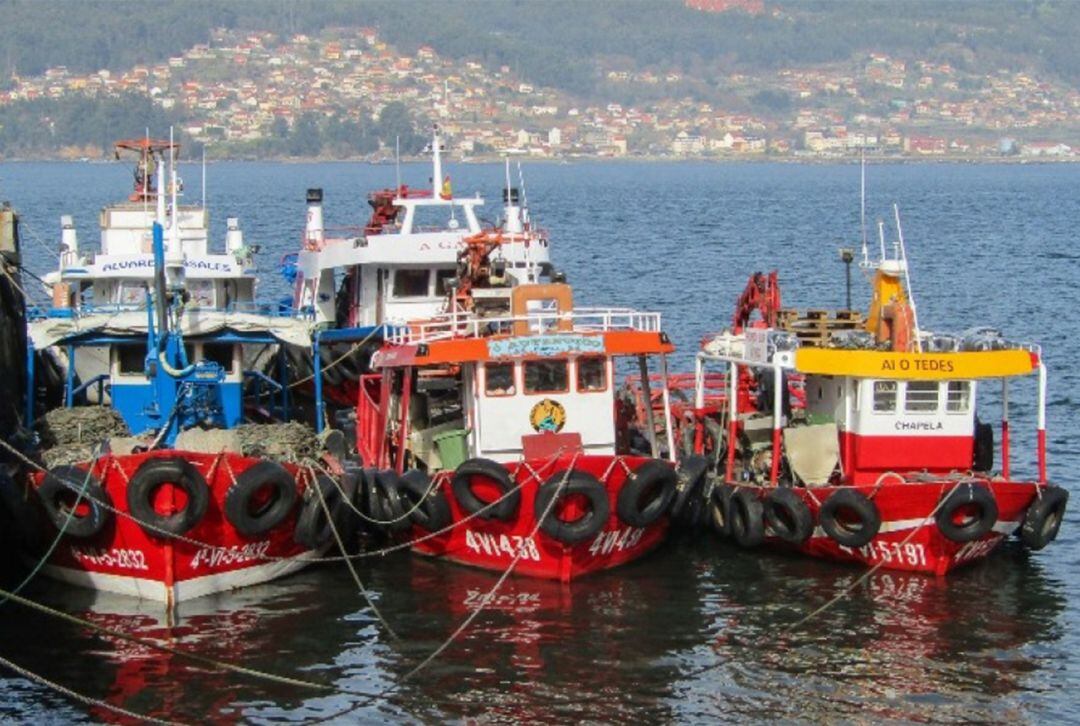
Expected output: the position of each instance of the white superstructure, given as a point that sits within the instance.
(401, 267)
(118, 274)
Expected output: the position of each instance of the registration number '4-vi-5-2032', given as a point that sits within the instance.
(122, 558)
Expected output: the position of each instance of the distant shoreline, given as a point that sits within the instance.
(498, 159)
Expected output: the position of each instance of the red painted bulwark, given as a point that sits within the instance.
(493, 544)
(136, 559)
(908, 540)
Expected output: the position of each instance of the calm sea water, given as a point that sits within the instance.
(700, 630)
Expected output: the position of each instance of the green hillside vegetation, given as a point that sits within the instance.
(563, 43)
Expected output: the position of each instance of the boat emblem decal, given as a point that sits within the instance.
(548, 415)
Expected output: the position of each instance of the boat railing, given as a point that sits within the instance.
(41, 312)
(539, 322)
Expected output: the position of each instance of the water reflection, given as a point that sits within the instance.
(900, 646)
(697, 631)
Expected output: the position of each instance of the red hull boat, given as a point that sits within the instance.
(145, 522)
(493, 543)
(856, 439)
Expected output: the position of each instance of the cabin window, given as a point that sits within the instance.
(201, 293)
(884, 396)
(958, 397)
(220, 353)
(546, 376)
(591, 375)
(441, 278)
(499, 379)
(131, 292)
(131, 359)
(921, 397)
(410, 283)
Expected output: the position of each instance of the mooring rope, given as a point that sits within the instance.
(367, 518)
(847, 590)
(314, 484)
(307, 556)
(81, 697)
(487, 598)
(171, 650)
(866, 575)
(339, 359)
(59, 535)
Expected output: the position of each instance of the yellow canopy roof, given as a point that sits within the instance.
(915, 366)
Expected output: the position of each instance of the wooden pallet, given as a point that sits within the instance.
(814, 328)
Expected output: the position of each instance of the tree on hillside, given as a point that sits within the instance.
(396, 123)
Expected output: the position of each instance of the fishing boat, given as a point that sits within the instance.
(355, 283)
(395, 268)
(190, 479)
(857, 438)
(491, 431)
(111, 281)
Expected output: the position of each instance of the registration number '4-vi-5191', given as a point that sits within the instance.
(502, 545)
(894, 553)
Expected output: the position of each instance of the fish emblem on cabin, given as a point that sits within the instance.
(548, 415)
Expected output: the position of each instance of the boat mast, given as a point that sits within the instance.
(907, 278)
(862, 204)
(436, 163)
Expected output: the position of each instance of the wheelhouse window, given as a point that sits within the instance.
(201, 292)
(410, 283)
(441, 278)
(884, 396)
(131, 360)
(220, 353)
(958, 397)
(591, 375)
(499, 379)
(546, 376)
(131, 292)
(921, 397)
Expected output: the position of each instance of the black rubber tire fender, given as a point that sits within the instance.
(386, 490)
(691, 482)
(272, 513)
(586, 526)
(720, 509)
(746, 513)
(853, 502)
(68, 481)
(461, 484)
(154, 473)
(313, 527)
(646, 494)
(967, 494)
(430, 508)
(787, 515)
(1043, 518)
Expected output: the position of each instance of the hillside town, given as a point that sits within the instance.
(246, 86)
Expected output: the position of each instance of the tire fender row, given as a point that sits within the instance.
(967, 512)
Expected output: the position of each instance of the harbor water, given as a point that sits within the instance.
(699, 630)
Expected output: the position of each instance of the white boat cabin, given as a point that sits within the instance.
(526, 385)
(398, 269)
(117, 275)
(866, 413)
